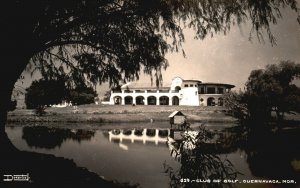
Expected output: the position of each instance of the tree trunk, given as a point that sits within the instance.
(9, 74)
(5, 143)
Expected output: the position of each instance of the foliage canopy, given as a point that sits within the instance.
(45, 93)
(111, 40)
(273, 89)
(268, 90)
(82, 95)
(95, 41)
(48, 92)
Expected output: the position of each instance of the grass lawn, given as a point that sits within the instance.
(120, 113)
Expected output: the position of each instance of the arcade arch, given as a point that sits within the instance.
(211, 101)
(151, 100)
(163, 100)
(117, 100)
(140, 100)
(175, 100)
(128, 100)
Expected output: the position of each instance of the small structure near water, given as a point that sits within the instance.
(178, 120)
(179, 124)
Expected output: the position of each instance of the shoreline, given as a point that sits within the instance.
(120, 114)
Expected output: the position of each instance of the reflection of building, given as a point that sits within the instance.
(144, 135)
(179, 92)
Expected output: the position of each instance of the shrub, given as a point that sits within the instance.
(40, 110)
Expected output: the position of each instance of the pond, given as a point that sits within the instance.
(136, 153)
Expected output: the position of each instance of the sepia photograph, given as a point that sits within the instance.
(150, 93)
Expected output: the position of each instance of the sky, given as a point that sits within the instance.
(226, 58)
(231, 58)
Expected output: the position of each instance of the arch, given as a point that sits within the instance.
(163, 133)
(128, 100)
(116, 131)
(163, 100)
(140, 100)
(127, 132)
(220, 101)
(175, 100)
(151, 132)
(211, 101)
(177, 88)
(117, 100)
(151, 100)
(138, 132)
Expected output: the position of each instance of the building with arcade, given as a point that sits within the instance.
(178, 92)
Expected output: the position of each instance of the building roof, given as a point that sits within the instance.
(176, 113)
(135, 85)
(191, 81)
(219, 84)
(149, 85)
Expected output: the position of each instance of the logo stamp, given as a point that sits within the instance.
(21, 177)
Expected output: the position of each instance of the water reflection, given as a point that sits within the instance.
(133, 162)
(44, 137)
(146, 136)
(274, 155)
(139, 135)
(44, 170)
(200, 165)
(136, 155)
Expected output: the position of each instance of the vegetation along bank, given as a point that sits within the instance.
(121, 113)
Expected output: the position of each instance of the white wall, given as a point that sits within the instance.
(189, 96)
(176, 82)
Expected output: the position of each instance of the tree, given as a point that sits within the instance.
(13, 105)
(112, 40)
(44, 93)
(272, 89)
(234, 102)
(48, 92)
(108, 93)
(82, 95)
